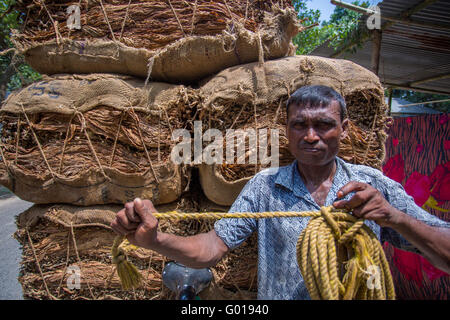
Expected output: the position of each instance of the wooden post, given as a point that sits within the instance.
(376, 48)
(390, 100)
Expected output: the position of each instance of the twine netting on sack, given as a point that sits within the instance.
(140, 24)
(57, 239)
(249, 120)
(255, 96)
(172, 41)
(92, 140)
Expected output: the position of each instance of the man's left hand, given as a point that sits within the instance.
(367, 203)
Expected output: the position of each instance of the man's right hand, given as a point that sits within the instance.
(137, 223)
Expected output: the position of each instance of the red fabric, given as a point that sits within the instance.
(446, 144)
(407, 263)
(411, 266)
(417, 155)
(395, 168)
(440, 183)
(395, 142)
(419, 148)
(431, 271)
(418, 187)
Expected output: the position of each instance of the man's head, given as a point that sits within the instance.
(316, 118)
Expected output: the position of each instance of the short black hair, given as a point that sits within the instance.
(316, 97)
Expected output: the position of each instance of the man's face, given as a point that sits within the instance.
(314, 133)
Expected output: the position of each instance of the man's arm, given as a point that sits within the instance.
(140, 227)
(369, 203)
(432, 242)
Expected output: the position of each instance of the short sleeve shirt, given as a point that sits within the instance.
(282, 189)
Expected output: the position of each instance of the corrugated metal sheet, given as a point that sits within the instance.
(409, 53)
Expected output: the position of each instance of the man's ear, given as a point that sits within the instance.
(287, 130)
(345, 126)
(287, 124)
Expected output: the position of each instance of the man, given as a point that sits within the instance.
(315, 122)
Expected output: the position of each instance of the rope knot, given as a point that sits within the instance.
(336, 252)
(350, 233)
(328, 217)
(120, 257)
(333, 222)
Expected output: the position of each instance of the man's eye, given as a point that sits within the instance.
(298, 125)
(324, 125)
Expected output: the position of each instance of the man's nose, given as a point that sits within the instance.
(311, 136)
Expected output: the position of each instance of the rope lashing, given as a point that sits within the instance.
(339, 257)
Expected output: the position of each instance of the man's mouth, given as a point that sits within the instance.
(311, 149)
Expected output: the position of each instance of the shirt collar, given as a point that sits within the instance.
(290, 178)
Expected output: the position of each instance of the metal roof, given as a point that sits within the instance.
(412, 56)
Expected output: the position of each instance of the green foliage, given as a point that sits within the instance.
(341, 27)
(308, 40)
(23, 77)
(14, 73)
(9, 19)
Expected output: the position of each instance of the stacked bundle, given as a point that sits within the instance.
(66, 254)
(93, 139)
(97, 130)
(103, 138)
(256, 96)
(106, 138)
(172, 41)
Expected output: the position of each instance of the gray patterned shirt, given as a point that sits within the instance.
(282, 189)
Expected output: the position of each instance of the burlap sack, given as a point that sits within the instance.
(93, 139)
(216, 188)
(57, 237)
(204, 39)
(255, 96)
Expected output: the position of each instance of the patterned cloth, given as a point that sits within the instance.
(282, 189)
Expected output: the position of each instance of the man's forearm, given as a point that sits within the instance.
(199, 251)
(432, 242)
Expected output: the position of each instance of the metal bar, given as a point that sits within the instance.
(421, 103)
(420, 6)
(440, 77)
(416, 23)
(404, 114)
(353, 7)
(403, 87)
(390, 100)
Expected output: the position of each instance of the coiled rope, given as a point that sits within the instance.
(339, 257)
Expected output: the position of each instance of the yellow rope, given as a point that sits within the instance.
(339, 257)
(128, 273)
